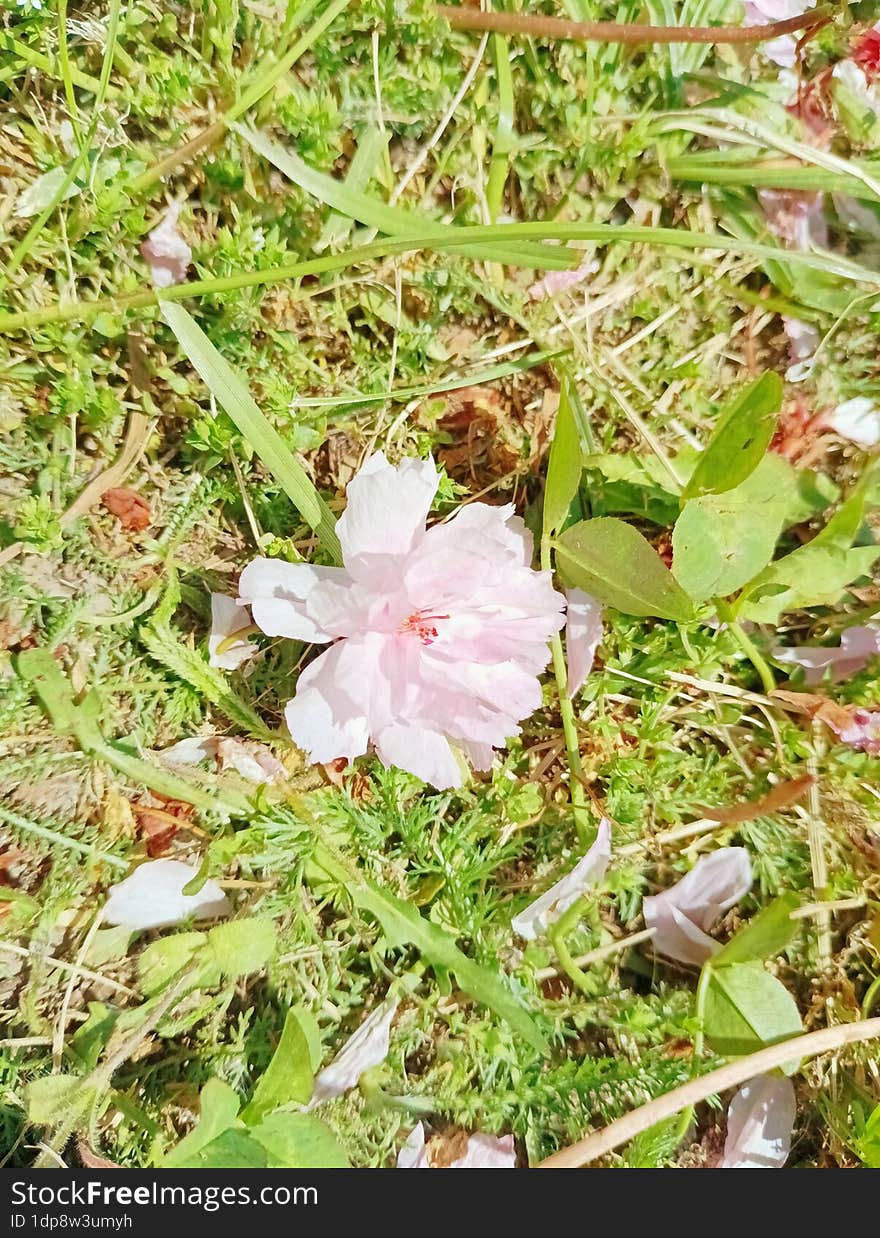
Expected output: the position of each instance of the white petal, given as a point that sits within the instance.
(366, 1048)
(759, 1124)
(190, 751)
(277, 593)
(682, 914)
(857, 420)
(853, 78)
(385, 514)
(166, 251)
(487, 1152)
(537, 918)
(323, 718)
(857, 646)
(251, 760)
(583, 634)
(803, 340)
(414, 1154)
(228, 618)
(152, 897)
(422, 752)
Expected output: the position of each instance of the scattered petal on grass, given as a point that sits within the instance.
(583, 633)
(367, 1047)
(152, 897)
(537, 918)
(560, 281)
(482, 1152)
(251, 760)
(803, 341)
(439, 635)
(414, 1154)
(682, 914)
(857, 647)
(862, 732)
(854, 79)
(166, 252)
(759, 1125)
(796, 216)
(227, 618)
(782, 51)
(857, 420)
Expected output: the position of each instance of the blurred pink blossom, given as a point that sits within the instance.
(857, 647)
(482, 1152)
(166, 252)
(796, 216)
(439, 635)
(861, 732)
(782, 51)
(682, 914)
(759, 1124)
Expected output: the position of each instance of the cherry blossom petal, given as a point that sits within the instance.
(386, 512)
(781, 51)
(854, 79)
(583, 634)
(857, 420)
(590, 869)
(323, 718)
(796, 216)
(227, 618)
(367, 1047)
(560, 281)
(803, 341)
(863, 731)
(414, 1154)
(487, 1152)
(254, 762)
(760, 1119)
(857, 646)
(422, 752)
(152, 897)
(278, 593)
(190, 751)
(682, 914)
(166, 252)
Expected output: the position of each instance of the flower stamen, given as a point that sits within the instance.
(422, 625)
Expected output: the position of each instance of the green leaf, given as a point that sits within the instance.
(869, 1141)
(612, 561)
(722, 541)
(747, 1008)
(299, 1141)
(403, 925)
(234, 398)
(242, 946)
(218, 1112)
(809, 576)
(233, 1149)
(742, 436)
(565, 465)
(166, 958)
(288, 1077)
(395, 221)
(765, 935)
(57, 1099)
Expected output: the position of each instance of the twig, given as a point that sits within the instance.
(68, 967)
(613, 32)
(799, 1048)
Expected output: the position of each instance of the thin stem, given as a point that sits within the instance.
(614, 32)
(569, 723)
(747, 645)
(687, 1115)
(731, 1075)
(470, 235)
(557, 935)
(64, 66)
(818, 862)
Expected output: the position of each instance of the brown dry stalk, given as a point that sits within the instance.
(729, 1076)
(462, 18)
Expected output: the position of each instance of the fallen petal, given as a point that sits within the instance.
(583, 634)
(227, 618)
(190, 751)
(414, 1154)
(487, 1152)
(862, 731)
(759, 1125)
(857, 647)
(682, 914)
(252, 761)
(803, 342)
(366, 1048)
(152, 897)
(537, 918)
(166, 252)
(857, 420)
(560, 281)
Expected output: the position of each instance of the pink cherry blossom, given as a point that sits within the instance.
(583, 634)
(782, 51)
(862, 732)
(796, 216)
(803, 341)
(166, 251)
(560, 281)
(857, 647)
(759, 1123)
(682, 914)
(590, 869)
(438, 635)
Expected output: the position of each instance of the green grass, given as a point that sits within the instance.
(352, 325)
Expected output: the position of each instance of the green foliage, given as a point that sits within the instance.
(743, 433)
(747, 1008)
